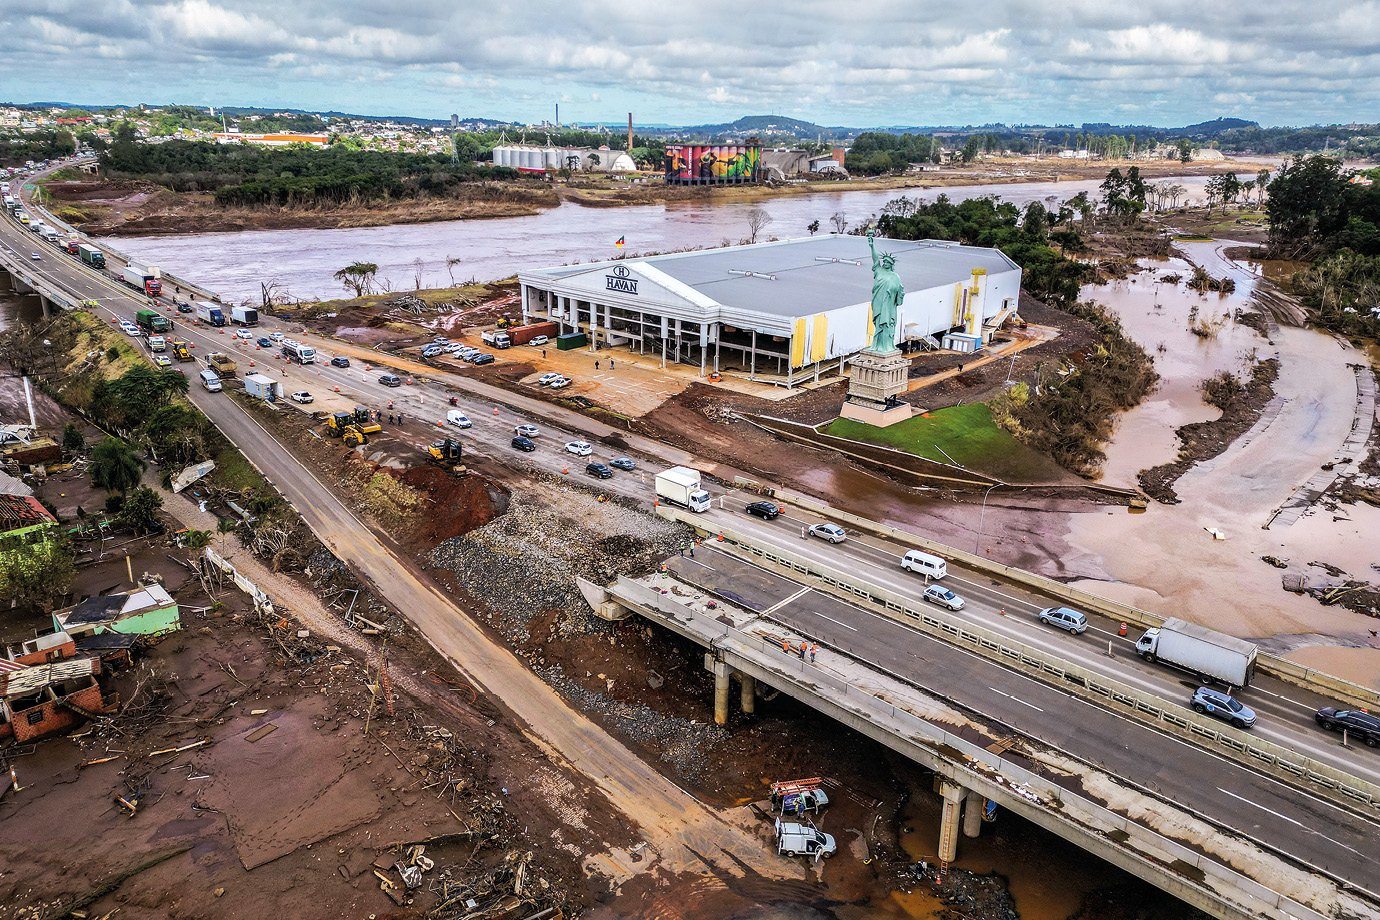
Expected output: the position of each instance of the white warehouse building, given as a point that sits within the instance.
(785, 312)
(528, 158)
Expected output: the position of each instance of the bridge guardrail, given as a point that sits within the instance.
(1090, 685)
(1021, 790)
(1289, 671)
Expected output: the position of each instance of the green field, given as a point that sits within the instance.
(966, 433)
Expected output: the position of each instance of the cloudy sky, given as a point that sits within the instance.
(849, 62)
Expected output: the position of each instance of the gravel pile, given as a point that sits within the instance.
(679, 743)
(524, 563)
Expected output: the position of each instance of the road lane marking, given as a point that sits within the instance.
(1015, 699)
(778, 606)
(832, 620)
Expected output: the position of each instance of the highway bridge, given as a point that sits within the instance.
(1074, 733)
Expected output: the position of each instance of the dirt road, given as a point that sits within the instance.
(682, 833)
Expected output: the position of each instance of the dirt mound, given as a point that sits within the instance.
(453, 505)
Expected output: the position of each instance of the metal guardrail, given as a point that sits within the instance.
(1016, 788)
(1288, 671)
(1090, 685)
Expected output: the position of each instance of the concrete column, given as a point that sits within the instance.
(948, 824)
(972, 814)
(749, 691)
(721, 674)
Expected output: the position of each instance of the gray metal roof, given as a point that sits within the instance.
(803, 276)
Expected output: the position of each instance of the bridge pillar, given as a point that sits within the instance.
(46, 305)
(972, 814)
(949, 819)
(749, 693)
(722, 673)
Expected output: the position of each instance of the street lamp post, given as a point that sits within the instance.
(982, 516)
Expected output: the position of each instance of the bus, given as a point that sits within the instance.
(296, 351)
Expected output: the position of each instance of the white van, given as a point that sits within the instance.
(458, 419)
(210, 380)
(795, 839)
(924, 564)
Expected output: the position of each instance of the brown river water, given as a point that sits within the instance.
(303, 261)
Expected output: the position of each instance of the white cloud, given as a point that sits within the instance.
(879, 62)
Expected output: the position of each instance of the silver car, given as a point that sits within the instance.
(938, 594)
(831, 532)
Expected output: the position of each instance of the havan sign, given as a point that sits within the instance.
(620, 279)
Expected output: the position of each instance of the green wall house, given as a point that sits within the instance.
(23, 520)
(148, 611)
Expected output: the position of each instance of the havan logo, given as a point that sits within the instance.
(621, 280)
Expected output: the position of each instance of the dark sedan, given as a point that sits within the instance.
(599, 470)
(767, 511)
(340, 361)
(526, 444)
(1359, 725)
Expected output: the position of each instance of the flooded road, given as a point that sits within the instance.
(303, 261)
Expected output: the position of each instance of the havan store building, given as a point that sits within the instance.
(783, 312)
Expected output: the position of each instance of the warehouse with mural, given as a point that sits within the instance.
(713, 164)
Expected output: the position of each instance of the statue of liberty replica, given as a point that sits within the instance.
(877, 375)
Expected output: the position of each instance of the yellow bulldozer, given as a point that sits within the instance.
(354, 427)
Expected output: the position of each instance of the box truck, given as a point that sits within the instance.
(152, 321)
(209, 313)
(244, 316)
(91, 255)
(680, 485)
(1204, 653)
(144, 277)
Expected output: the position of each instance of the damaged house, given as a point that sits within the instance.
(39, 701)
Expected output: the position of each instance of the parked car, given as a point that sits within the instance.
(528, 431)
(831, 532)
(390, 380)
(938, 594)
(623, 463)
(579, 448)
(302, 396)
(243, 334)
(599, 470)
(340, 361)
(560, 383)
(276, 336)
(440, 340)
(431, 351)
(1223, 706)
(1065, 618)
(538, 340)
(767, 511)
(458, 419)
(546, 378)
(454, 348)
(264, 343)
(183, 307)
(465, 352)
(522, 443)
(482, 358)
(1359, 725)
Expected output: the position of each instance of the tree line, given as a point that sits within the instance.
(247, 176)
(40, 145)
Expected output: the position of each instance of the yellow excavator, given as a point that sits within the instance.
(446, 453)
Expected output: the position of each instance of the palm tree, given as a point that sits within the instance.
(114, 467)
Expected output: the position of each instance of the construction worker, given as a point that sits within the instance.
(803, 648)
(814, 650)
(786, 646)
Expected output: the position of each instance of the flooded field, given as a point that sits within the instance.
(303, 261)
(1166, 559)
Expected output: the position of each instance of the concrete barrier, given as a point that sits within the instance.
(1107, 692)
(1318, 681)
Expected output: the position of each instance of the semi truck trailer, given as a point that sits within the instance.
(146, 278)
(244, 316)
(91, 255)
(1203, 652)
(209, 313)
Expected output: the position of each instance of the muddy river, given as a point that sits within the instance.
(303, 261)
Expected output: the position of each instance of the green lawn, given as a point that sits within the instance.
(966, 433)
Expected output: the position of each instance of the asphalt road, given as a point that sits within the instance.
(687, 835)
(1285, 710)
(1222, 791)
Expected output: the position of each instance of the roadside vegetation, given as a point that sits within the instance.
(1323, 214)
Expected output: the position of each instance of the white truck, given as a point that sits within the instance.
(146, 278)
(680, 485)
(496, 339)
(210, 313)
(796, 839)
(244, 316)
(798, 796)
(1203, 652)
(261, 386)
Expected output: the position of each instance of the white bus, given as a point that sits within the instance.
(296, 351)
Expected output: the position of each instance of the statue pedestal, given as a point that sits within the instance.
(874, 383)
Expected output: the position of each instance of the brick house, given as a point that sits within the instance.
(39, 701)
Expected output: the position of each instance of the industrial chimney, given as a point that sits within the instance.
(630, 132)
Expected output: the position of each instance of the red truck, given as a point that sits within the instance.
(522, 335)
